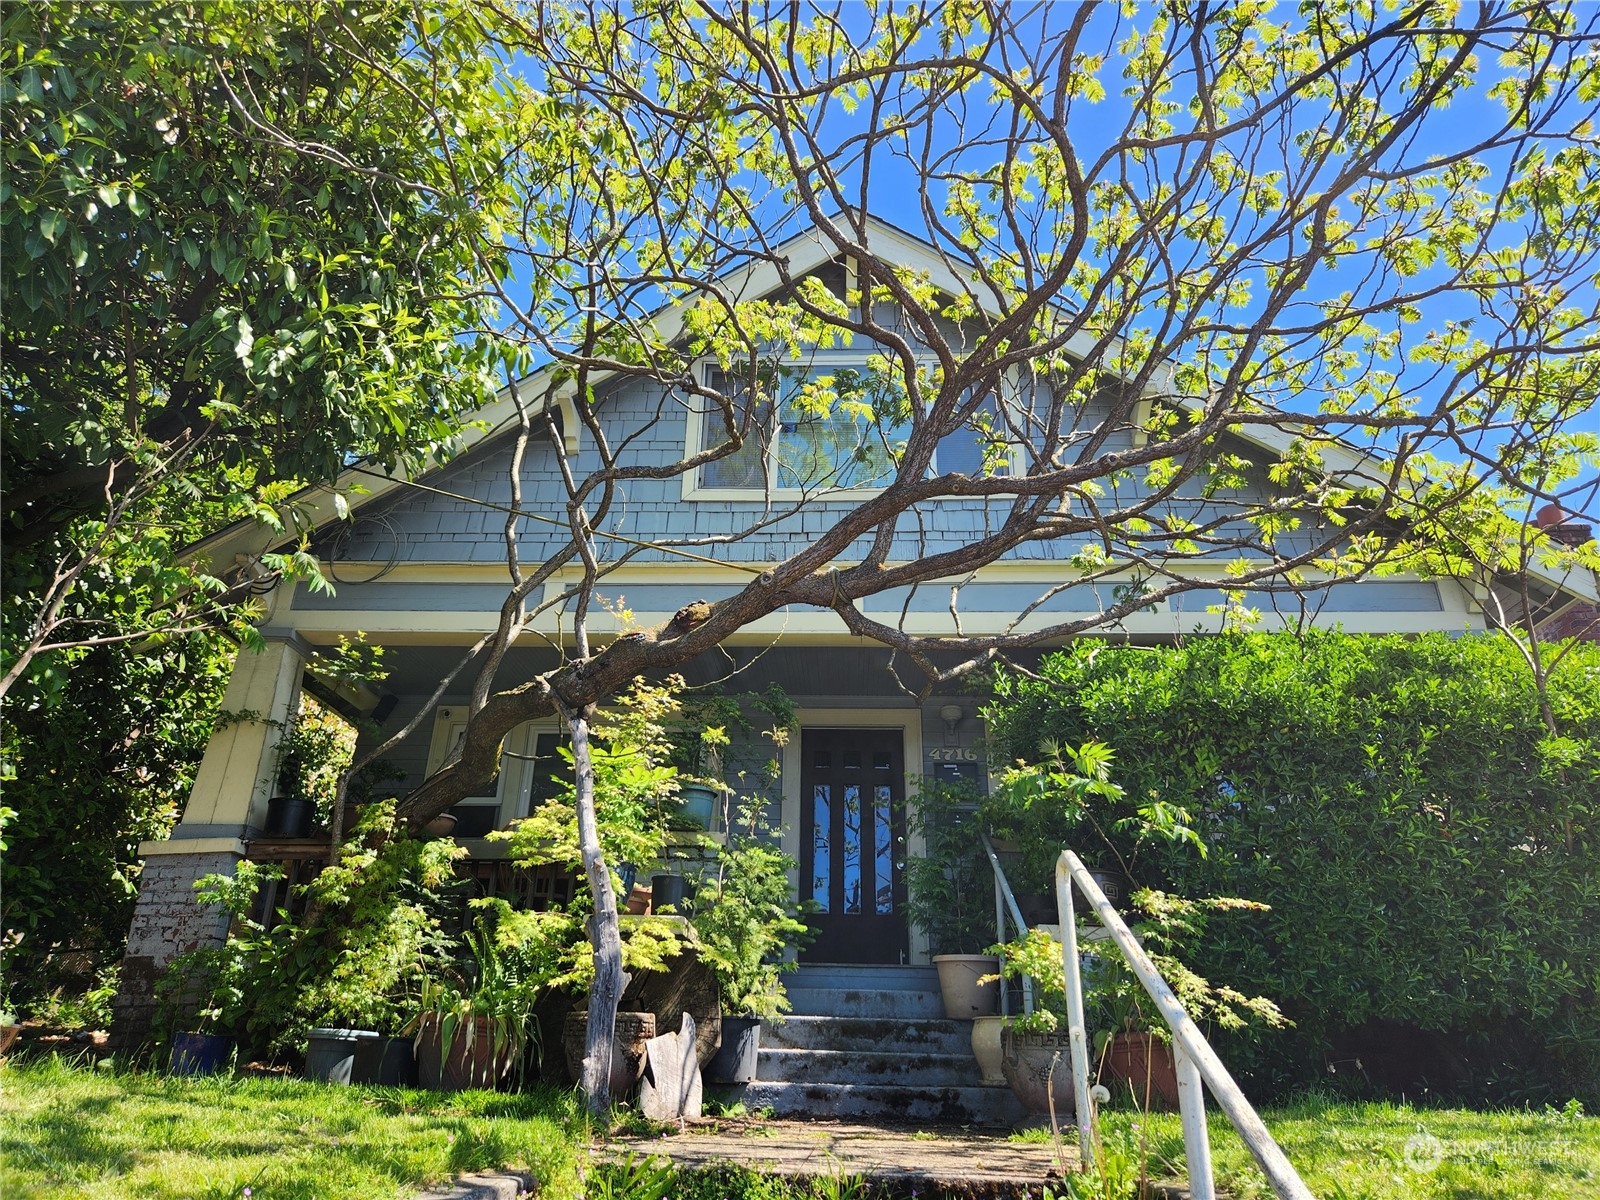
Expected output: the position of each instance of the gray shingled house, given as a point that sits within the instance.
(419, 567)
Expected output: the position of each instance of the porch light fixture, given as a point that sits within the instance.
(951, 715)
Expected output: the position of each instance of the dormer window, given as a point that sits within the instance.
(833, 424)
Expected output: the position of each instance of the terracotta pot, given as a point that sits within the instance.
(1037, 1065)
(442, 826)
(8, 1034)
(1143, 1062)
(964, 997)
(628, 1036)
(472, 1062)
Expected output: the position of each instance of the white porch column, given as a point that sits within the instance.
(227, 806)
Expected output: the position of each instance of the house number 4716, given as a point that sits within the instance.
(953, 754)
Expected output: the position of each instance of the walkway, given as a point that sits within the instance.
(930, 1162)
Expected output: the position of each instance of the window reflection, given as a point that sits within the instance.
(851, 856)
(883, 849)
(822, 847)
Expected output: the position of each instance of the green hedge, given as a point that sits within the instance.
(1430, 851)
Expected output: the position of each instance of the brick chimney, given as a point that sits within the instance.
(1576, 620)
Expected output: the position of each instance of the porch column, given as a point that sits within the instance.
(227, 807)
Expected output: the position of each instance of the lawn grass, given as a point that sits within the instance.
(70, 1131)
(1385, 1151)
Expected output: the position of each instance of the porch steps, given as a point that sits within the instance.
(873, 1043)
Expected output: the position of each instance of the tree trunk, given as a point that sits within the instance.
(604, 933)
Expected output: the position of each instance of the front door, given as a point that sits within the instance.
(852, 844)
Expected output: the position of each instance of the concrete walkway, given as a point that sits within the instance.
(931, 1162)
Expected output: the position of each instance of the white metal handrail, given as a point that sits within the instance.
(1197, 1063)
(1005, 901)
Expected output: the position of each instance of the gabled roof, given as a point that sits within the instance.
(803, 254)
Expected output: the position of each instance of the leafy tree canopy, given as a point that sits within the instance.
(234, 259)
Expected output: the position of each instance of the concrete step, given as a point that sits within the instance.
(879, 976)
(921, 1036)
(891, 1004)
(863, 1067)
(991, 1106)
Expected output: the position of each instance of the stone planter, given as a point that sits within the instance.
(628, 1036)
(964, 997)
(1037, 1066)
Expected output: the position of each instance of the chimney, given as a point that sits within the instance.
(1559, 525)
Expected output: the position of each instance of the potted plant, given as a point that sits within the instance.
(951, 896)
(745, 920)
(1131, 1042)
(1068, 799)
(9, 1029)
(312, 754)
(702, 750)
(471, 1027)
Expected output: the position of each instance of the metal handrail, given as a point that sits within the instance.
(1004, 900)
(1197, 1063)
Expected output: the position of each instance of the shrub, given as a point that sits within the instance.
(1428, 846)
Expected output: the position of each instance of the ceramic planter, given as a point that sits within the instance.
(986, 1048)
(199, 1053)
(331, 1053)
(699, 804)
(735, 1060)
(628, 1036)
(1037, 1066)
(964, 997)
(1144, 1062)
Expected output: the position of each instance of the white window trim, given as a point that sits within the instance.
(695, 418)
(514, 785)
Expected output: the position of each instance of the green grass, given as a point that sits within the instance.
(68, 1131)
(1381, 1151)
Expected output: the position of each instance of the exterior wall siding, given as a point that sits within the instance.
(428, 527)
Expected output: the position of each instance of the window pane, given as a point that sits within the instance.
(746, 466)
(845, 448)
(850, 859)
(883, 849)
(821, 848)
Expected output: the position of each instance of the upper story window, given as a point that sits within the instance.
(831, 424)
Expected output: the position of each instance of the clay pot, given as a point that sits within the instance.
(471, 1063)
(1140, 1059)
(628, 1036)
